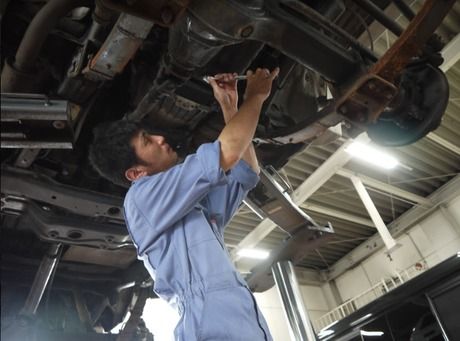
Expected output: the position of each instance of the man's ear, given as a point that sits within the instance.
(135, 173)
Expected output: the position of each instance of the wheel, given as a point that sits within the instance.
(417, 110)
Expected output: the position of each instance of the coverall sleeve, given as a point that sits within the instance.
(223, 201)
(154, 203)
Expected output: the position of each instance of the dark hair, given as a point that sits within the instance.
(111, 153)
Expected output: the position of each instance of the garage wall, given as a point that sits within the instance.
(431, 241)
(270, 303)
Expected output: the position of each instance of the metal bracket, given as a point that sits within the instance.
(35, 121)
(305, 233)
(282, 210)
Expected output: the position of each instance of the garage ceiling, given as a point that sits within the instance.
(426, 166)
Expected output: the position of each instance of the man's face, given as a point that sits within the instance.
(156, 154)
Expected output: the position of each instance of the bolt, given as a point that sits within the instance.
(59, 124)
(113, 211)
(46, 208)
(167, 15)
(247, 31)
(53, 234)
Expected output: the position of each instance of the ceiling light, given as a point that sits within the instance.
(372, 155)
(324, 333)
(253, 253)
(366, 333)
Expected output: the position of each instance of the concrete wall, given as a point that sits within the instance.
(270, 304)
(431, 241)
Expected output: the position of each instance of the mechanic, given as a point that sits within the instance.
(176, 213)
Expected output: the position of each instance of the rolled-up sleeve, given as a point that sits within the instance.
(154, 203)
(244, 174)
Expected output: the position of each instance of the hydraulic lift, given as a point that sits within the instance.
(362, 101)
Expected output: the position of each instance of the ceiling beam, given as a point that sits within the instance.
(444, 143)
(337, 214)
(451, 53)
(387, 188)
(320, 176)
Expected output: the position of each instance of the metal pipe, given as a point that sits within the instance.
(120, 47)
(37, 32)
(380, 16)
(405, 9)
(328, 25)
(300, 326)
(46, 268)
(17, 107)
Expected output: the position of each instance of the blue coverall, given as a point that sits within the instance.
(176, 219)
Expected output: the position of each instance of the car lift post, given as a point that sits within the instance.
(300, 326)
(42, 277)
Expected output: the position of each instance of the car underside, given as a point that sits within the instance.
(69, 65)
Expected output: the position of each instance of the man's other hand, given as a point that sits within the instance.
(259, 83)
(225, 91)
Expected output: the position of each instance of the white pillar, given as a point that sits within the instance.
(390, 243)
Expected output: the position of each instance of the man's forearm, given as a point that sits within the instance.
(237, 134)
(249, 154)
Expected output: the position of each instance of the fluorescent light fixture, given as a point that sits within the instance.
(366, 333)
(253, 253)
(324, 333)
(372, 155)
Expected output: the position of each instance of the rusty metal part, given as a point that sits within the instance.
(327, 117)
(119, 48)
(366, 98)
(161, 12)
(412, 39)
